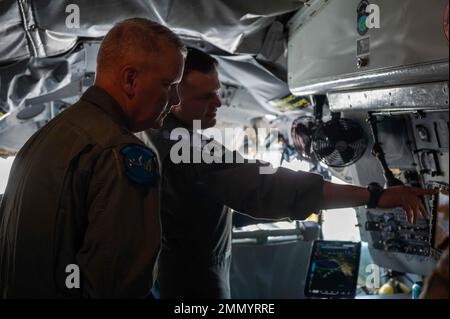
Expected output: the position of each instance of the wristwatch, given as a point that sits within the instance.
(375, 190)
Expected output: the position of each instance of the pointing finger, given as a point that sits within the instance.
(424, 210)
(422, 192)
(409, 213)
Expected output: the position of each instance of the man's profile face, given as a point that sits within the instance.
(156, 88)
(199, 94)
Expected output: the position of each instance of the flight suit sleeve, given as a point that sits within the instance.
(123, 233)
(244, 188)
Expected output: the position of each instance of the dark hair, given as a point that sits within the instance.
(134, 34)
(198, 60)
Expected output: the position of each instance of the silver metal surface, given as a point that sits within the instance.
(306, 230)
(414, 97)
(409, 47)
(430, 72)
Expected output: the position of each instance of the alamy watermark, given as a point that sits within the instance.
(208, 148)
(372, 280)
(73, 17)
(73, 277)
(369, 17)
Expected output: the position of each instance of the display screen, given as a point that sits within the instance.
(333, 269)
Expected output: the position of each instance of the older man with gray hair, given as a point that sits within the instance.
(80, 215)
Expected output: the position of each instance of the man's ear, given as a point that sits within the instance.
(128, 76)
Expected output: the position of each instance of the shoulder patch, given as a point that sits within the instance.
(141, 164)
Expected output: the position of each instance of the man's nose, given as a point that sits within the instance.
(174, 97)
(217, 101)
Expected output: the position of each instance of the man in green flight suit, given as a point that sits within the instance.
(82, 197)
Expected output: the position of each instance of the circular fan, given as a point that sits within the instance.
(302, 132)
(339, 142)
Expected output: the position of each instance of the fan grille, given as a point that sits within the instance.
(339, 142)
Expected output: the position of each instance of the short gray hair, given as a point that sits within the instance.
(134, 34)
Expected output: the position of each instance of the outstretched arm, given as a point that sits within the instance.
(294, 194)
(341, 196)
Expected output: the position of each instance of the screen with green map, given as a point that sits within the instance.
(333, 269)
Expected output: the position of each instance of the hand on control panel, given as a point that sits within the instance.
(408, 198)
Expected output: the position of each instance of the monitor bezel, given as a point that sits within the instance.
(352, 294)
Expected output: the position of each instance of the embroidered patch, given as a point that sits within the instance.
(141, 164)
